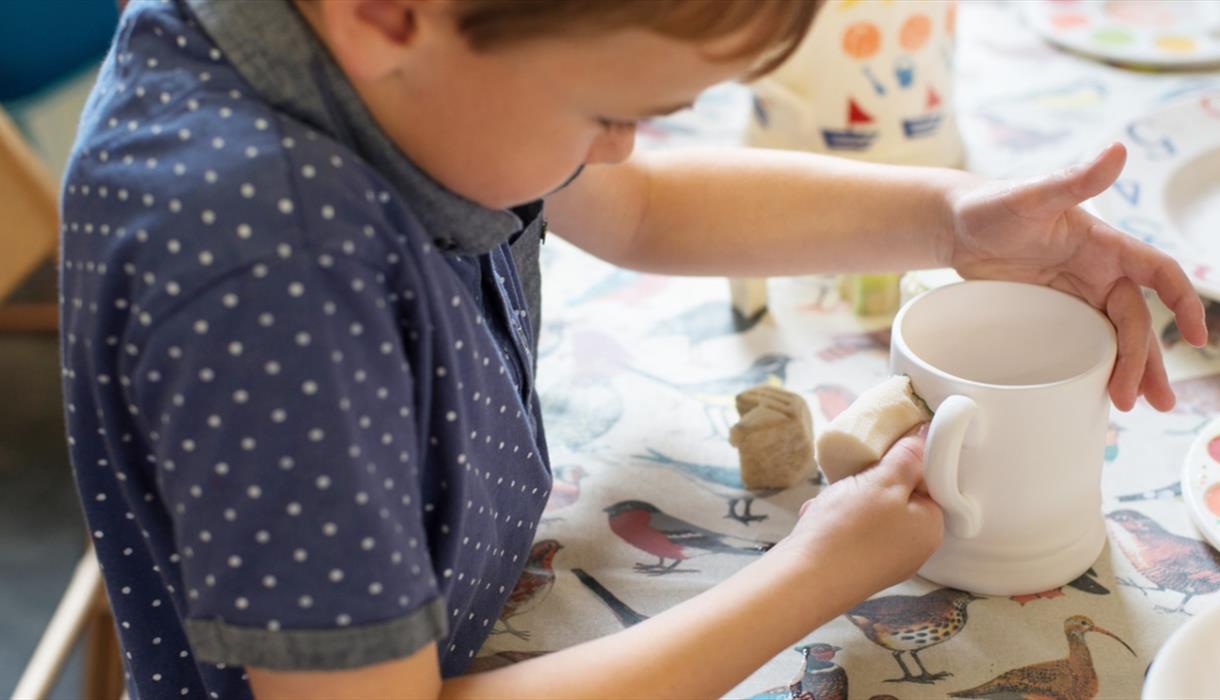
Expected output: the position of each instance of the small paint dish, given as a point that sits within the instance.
(1201, 482)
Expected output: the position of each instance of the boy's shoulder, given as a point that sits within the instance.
(180, 168)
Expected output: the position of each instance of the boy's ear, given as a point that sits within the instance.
(371, 38)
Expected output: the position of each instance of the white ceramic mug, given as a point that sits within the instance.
(1017, 376)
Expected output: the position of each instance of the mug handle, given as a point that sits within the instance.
(942, 457)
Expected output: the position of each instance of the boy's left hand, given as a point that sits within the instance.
(1033, 231)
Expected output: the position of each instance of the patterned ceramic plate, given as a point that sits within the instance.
(1201, 482)
(1159, 33)
(1169, 193)
(1184, 669)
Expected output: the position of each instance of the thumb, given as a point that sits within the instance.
(902, 465)
(1050, 195)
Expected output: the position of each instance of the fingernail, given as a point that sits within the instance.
(923, 430)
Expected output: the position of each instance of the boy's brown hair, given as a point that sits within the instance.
(776, 26)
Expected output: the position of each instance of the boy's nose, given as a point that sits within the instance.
(613, 145)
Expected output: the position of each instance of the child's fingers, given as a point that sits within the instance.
(1155, 384)
(1052, 194)
(1126, 308)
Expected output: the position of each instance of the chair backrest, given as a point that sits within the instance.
(29, 216)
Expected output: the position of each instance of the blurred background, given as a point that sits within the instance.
(49, 53)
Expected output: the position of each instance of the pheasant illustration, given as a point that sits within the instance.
(1171, 562)
(1072, 678)
(913, 623)
(709, 320)
(1086, 582)
(626, 616)
(820, 678)
(645, 527)
(532, 587)
(728, 479)
(566, 487)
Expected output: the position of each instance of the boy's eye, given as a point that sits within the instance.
(608, 123)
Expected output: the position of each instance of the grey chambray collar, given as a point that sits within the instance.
(277, 52)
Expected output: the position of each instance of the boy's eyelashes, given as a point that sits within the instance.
(609, 123)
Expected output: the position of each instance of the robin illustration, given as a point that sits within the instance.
(820, 678)
(566, 487)
(913, 623)
(532, 587)
(724, 480)
(645, 527)
(626, 616)
(1072, 678)
(1171, 562)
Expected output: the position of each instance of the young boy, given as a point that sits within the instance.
(300, 304)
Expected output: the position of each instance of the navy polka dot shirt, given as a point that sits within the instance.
(304, 437)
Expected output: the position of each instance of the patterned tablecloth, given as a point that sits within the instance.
(638, 374)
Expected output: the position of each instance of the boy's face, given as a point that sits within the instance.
(512, 124)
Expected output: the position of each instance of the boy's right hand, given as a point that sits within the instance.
(874, 529)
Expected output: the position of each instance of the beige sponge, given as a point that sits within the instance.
(774, 438)
(859, 436)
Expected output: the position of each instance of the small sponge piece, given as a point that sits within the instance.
(774, 438)
(859, 436)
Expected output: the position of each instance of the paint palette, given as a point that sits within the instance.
(1154, 33)
(1201, 482)
(1169, 192)
(1185, 667)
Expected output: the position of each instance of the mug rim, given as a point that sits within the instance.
(898, 342)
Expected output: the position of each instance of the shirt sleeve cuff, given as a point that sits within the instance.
(216, 642)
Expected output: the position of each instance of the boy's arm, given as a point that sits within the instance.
(857, 537)
(753, 212)
(699, 648)
(757, 212)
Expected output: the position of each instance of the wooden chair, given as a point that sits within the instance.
(83, 611)
(29, 228)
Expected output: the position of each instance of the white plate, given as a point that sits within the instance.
(1155, 33)
(1201, 483)
(1169, 192)
(1185, 668)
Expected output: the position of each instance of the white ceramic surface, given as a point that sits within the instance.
(1201, 483)
(1185, 667)
(872, 81)
(1016, 375)
(1169, 192)
(1153, 33)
